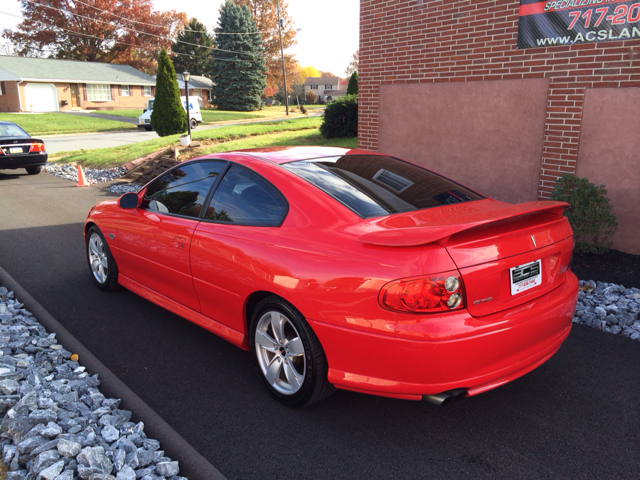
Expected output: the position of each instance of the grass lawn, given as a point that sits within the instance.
(114, 156)
(211, 115)
(299, 137)
(59, 123)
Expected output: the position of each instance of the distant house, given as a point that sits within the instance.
(326, 88)
(50, 85)
(198, 86)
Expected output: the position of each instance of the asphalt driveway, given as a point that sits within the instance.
(577, 416)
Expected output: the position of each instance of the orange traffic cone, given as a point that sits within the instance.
(82, 180)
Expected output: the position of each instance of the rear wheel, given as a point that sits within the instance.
(194, 123)
(287, 354)
(102, 265)
(34, 170)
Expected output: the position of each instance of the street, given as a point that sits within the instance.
(576, 416)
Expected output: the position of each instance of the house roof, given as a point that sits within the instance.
(56, 70)
(321, 80)
(196, 81)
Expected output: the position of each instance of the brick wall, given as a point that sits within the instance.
(419, 41)
(9, 100)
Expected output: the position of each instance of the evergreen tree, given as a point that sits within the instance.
(168, 116)
(193, 59)
(352, 88)
(238, 67)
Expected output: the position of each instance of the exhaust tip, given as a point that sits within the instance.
(445, 397)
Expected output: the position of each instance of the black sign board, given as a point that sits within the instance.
(568, 22)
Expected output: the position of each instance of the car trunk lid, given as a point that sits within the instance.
(507, 254)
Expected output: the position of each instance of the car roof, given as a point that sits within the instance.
(281, 155)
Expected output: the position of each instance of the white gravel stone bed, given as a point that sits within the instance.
(93, 175)
(54, 422)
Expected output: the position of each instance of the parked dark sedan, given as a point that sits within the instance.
(19, 150)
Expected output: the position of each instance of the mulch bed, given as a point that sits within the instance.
(611, 267)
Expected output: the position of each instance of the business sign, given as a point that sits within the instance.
(567, 22)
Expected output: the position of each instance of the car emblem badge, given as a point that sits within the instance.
(533, 239)
(112, 236)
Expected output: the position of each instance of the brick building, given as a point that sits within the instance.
(444, 84)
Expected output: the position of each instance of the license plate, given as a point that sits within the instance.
(524, 277)
(15, 150)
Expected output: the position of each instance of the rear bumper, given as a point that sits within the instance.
(494, 350)
(22, 161)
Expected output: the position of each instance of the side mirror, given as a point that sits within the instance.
(144, 111)
(128, 200)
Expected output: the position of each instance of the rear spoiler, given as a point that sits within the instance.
(421, 235)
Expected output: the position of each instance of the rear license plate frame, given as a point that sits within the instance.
(525, 277)
(16, 150)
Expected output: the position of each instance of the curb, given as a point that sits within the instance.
(192, 464)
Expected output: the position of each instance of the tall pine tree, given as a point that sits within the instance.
(168, 116)
(193, 46)
(238, 67)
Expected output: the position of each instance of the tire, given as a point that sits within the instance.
(288, 357)
(148, 129)
(34, 170)
(102, 266)
(194, 123)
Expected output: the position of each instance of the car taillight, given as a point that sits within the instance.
(441, 293)
(36, 147)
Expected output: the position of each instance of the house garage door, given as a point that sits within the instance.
(41, 97)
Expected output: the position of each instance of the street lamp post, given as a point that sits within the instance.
(186, 76)
(284, 75)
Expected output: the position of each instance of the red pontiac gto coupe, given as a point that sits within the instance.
(345, 268)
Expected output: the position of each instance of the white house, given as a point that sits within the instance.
(326, 88)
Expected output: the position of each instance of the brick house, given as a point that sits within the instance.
(444, 84)
(50, 85)
(326, 88)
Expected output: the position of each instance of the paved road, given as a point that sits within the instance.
(577, 416)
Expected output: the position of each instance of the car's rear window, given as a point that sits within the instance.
(375, 185)
(11, 130)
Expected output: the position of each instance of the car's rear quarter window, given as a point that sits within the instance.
(375, 185)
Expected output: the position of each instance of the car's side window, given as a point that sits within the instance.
(244, 198)
(183, 190)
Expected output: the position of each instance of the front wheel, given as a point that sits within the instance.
(287, 354)
(148, 129)
(194, 123)
(102, 265)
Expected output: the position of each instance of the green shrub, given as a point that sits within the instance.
(341, 118)
(590, 214)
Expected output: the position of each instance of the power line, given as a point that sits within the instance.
(152, 25)
(137, 31)
(112, 41)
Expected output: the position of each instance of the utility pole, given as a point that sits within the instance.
(284, 75)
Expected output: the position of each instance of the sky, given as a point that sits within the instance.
(327, 40)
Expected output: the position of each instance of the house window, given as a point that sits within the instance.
(328, 87)
(98, 93)
(314, 87)
(124, 90)
(146, 91)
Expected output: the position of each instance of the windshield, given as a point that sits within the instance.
(376, 186)
(150, 104)
(12, 130)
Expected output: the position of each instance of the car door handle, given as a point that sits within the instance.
(179, 242)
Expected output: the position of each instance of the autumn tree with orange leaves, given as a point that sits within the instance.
(266, 17)
(109, 31)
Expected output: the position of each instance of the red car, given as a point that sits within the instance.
(346, 269)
